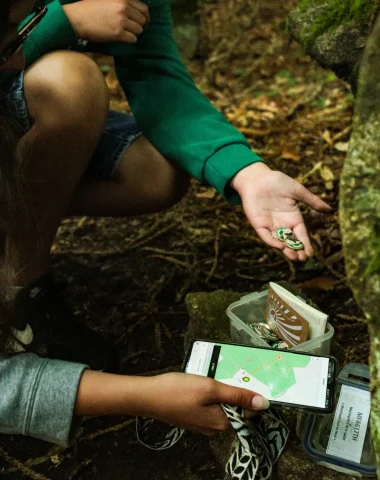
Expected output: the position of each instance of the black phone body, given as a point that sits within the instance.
(287, 379)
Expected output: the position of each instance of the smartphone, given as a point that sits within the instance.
(285, 378)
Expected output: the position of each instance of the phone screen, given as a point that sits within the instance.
(278, 375)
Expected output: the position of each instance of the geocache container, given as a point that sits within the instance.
(315, 430)
(251, 309)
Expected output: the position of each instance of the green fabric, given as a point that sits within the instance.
(172, 113)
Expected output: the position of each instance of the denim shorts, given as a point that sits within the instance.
(119, 132)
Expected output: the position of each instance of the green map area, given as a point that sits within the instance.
(274, 368)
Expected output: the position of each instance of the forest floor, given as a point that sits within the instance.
(129, 277)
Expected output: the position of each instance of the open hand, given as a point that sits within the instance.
(108, 20)
(270, 201)
(193, 402)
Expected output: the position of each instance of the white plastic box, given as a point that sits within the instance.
(251, 309)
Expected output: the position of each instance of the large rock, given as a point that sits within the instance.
(334, 32)
(208, 321)
(208, 318)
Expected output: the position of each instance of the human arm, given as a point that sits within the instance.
(37, 396)
(170, 110)
(185, 128)
(183, 125)
(184, 400)
(67, 21)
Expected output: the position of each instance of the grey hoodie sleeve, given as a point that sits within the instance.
(37, 396)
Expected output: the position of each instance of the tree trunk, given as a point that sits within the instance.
(360, 211)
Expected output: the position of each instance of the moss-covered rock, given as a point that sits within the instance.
(334, 32)
(208, 318)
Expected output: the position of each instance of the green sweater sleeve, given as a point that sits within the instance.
(53, 33)
(171, 111)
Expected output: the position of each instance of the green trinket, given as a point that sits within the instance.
(294, 244)
(280, 345)
(284, 233)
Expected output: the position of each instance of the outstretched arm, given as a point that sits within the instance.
(180, 399)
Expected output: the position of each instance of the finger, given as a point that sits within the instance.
(300, 232)
(141, 7)
(291, 254)
(302, 257)
(128, 37)
(133, 27)
(137, 17)
(241, 397)
(305, 196)
(267, 237)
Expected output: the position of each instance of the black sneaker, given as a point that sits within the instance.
(56, 331)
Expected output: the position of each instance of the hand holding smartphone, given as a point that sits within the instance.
(285, 378)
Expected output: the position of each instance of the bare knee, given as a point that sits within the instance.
(66, 90)
(167, 194)
(149, 177)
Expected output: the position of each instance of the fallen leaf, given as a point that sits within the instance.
(323, 283)
(112, 82)
(327, 137)
(208, 193)
(328, 176)
(264, 104)
(342, 146)
(289, 155)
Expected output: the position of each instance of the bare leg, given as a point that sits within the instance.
(68, 102)
(144, 182)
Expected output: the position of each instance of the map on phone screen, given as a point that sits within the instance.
(275, 374)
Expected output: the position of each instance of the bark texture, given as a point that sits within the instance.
(360, 210)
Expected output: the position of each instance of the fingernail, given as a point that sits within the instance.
(260, 403)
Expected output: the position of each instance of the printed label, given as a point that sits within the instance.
(350, 424)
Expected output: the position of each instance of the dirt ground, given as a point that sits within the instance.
(128, 277)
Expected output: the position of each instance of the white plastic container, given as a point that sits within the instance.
(251, 309)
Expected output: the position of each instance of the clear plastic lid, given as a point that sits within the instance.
(316, 429)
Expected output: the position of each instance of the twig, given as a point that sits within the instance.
(171, 260)
(21, 467)
(290, 265)
(246, 277)
(350, 318)
(342, 134)
(116, 251)
(133, 356)
(316, 168)
(32, 462)
(115, 428)
(81, 467)
(149, 239)
(164, 252)
(216, 255)
(158, 339)
(319, 257)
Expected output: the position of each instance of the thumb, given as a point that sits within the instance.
(304, 195)
(242, 397)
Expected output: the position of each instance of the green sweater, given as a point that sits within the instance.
(169, 109)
